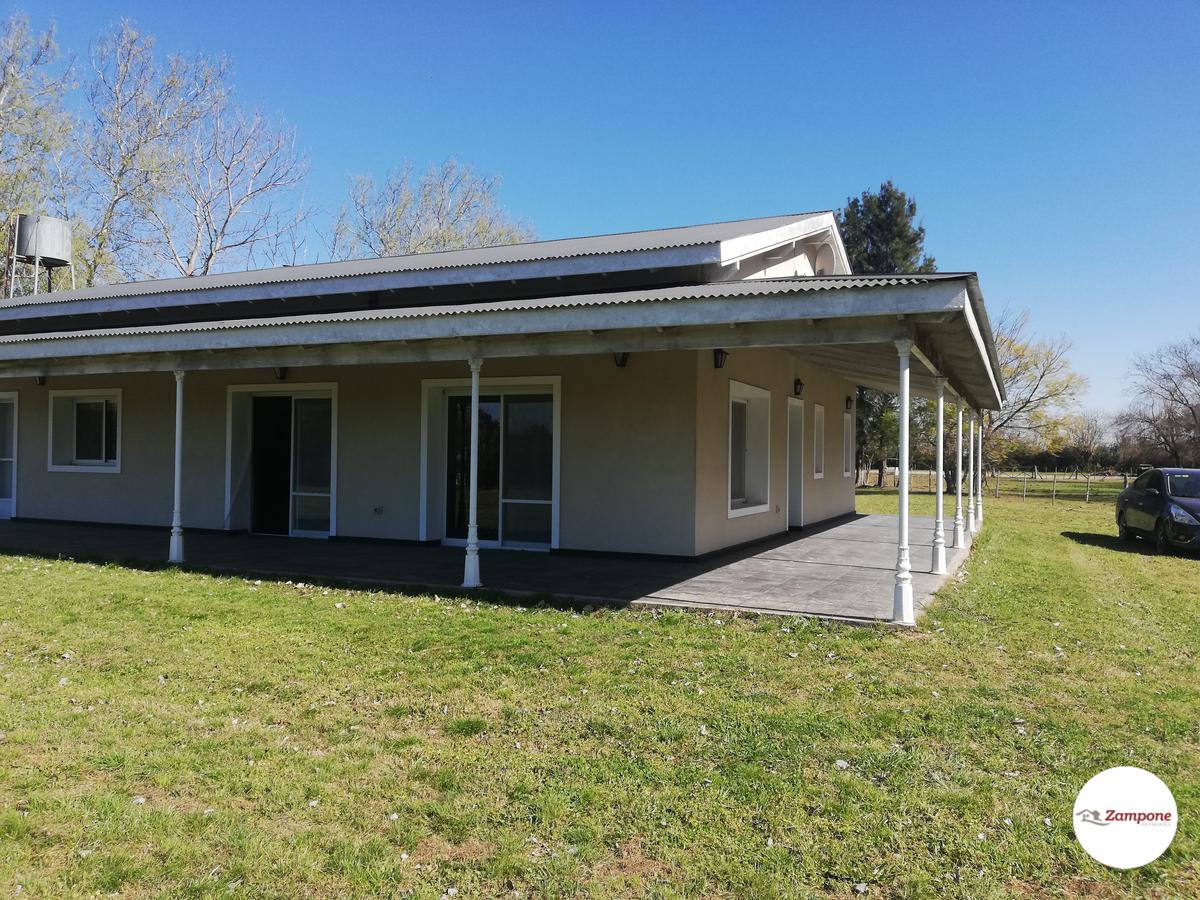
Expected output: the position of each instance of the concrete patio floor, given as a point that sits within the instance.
(843, 569)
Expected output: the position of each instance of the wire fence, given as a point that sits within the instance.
(1055, 486)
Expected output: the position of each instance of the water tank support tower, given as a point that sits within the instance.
(40, 242)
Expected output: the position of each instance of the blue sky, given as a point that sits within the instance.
(1052, 147)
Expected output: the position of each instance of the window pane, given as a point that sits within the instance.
(89, 430)
(737, 451)
(458, 467)
(6, 429)
(527, 523)
(314, 431)
(818, 439)
(110, 430)
(311, 513)
(528, 447)
(6, 480)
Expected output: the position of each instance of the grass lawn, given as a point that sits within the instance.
(179, 734)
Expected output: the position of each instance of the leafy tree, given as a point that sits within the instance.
(34, 126)
(882, 235)
(450, 207)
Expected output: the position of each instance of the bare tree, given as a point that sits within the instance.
(141, 114)
(450, 207)
(231, 194)
(1165, 414)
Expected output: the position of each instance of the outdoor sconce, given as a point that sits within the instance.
(39, 380)
(719, 357)
(849, 403)
(281, 373)
(798, 388)
(620, 359)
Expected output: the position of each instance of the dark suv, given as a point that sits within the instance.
(1164, 503)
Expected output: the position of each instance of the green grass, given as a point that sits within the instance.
(283, 746)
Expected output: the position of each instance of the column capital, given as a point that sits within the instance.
(179, 376)
(475, 362)
(941, 381)
(904, 346)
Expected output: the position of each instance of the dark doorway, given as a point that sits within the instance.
(458, 467)
(271, 465)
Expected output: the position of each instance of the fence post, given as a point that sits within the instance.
(997, 494)
(1087, 498)
(1054, 487)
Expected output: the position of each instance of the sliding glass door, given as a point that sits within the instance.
(312, 465)
(8, 458)
(516, 468)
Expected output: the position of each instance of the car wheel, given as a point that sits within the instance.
(1123, 530)
(1161, 540)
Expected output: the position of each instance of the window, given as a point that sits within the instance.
(847, 444)
(749, 449)
(85, 431)
(818, 441)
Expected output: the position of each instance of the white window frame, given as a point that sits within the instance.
(848, 443)
(818, 441)
(316, 390)
(740, 392)
(434, 392)
(97, 467)
(15, 399)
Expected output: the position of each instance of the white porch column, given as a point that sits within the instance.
(471, 565)
(902, 606)
(176, 550)
(971, 527)
(939, 525)
(960, 532)
(979, 502)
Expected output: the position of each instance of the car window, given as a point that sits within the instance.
(1184, 484)
(1156, 481)
(1143, 481)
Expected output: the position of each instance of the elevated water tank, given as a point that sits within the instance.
(44, 239)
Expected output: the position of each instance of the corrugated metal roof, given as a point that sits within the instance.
(712, 291)
(656, 239)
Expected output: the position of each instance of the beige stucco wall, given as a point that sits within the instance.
(774, 371)
(627, 448)
(644, 449)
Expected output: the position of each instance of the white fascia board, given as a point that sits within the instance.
(595, 264)
(935, 297)
(748, 245)
(977, 337)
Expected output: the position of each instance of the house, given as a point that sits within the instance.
(674, 392)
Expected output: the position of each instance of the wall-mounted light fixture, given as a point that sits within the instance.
(621, 359)
(849, 403)
(281, 373)
(798, 388)
(719, 357)
(39, 380)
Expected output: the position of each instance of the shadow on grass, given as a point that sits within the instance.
(1111, 542)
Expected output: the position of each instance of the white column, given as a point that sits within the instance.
(176, 551)
(902, 606)
(939, 525)
(971, 526)
(979, 502)
(960, 526)
(471, 565)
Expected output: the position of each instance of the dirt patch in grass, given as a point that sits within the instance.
(435, 849)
